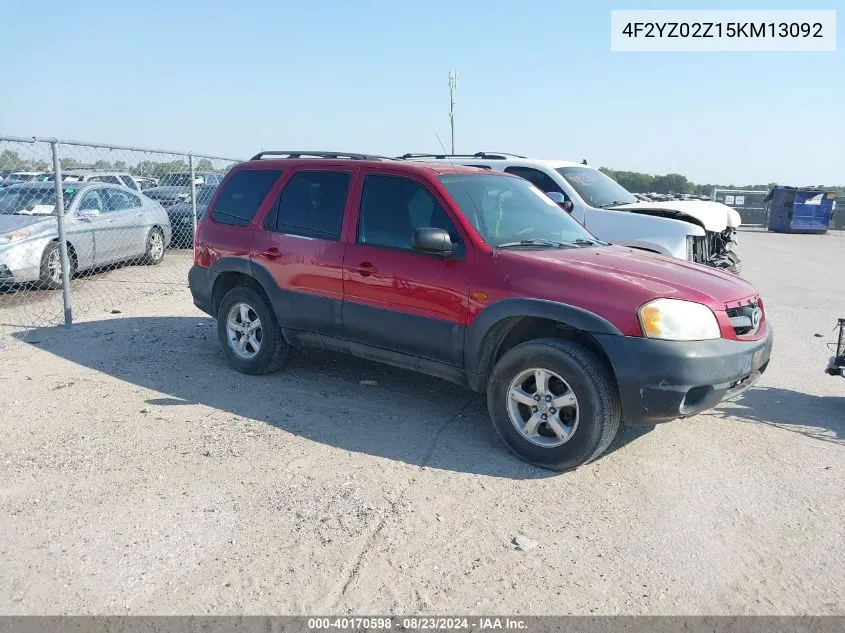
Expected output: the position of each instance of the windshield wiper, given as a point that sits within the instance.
(615, 203)
(547, 243)
(583, 241)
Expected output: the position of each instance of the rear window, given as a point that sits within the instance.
(241, 196)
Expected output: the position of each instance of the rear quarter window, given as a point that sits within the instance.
(242, 194)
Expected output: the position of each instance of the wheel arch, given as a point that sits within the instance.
(506, 324)
(71, 250)
(234, 271)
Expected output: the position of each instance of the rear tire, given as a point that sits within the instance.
(154, 252)
(588, 409)
(249, 332)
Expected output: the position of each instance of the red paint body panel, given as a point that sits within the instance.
(611, 281)
(410, 283)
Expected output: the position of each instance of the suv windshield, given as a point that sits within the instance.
(596, 188)
(31, 200)
(509, 211)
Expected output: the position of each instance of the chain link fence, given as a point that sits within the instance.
(86, 228)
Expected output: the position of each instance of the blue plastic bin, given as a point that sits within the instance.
(805, 210)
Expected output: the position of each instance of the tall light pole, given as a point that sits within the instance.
(453, 87)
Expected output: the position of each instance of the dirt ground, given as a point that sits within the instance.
(139, 474)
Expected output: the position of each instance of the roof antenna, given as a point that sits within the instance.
(466, 190)
(583, 161)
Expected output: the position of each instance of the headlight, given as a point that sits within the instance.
(11, 237)
(676, 320)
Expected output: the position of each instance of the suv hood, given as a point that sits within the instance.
(713, 216)
(625, 275)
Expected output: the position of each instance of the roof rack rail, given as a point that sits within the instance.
(310, 154)
(488, 155)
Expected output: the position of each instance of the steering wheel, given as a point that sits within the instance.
(528, 230)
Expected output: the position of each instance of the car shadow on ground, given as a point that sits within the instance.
(819, 417)
(404, 416)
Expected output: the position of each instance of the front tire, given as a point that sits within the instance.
(154, 253)
(50, 274)
(249, 332)
(553, 403)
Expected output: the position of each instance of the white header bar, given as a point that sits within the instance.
(723, 30)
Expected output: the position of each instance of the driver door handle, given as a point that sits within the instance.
(271, 253)
(365, 269)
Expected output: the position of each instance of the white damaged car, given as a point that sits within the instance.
(694, 230)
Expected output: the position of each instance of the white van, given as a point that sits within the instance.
(695, 230)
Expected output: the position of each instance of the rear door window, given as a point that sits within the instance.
(242, 194)
(117, 200)
(312, 204)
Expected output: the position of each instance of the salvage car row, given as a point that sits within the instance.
(699, 231)
(107, 221)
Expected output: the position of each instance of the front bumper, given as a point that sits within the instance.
(661, 381)
(21, 263)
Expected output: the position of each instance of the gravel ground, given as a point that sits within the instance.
(139, 474)
(93, 293)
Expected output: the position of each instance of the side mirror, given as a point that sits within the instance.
(89, 213)
(431, 240)
(558, 198)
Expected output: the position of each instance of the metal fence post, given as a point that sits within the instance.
(193, 194)
(60, 221)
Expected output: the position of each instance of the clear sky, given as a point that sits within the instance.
(536, 78)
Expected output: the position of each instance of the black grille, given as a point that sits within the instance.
(840, 346)
(746, 319)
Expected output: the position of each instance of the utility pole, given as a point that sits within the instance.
(453, 87)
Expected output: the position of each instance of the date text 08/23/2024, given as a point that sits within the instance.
(418, 623)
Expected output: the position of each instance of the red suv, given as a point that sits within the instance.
(476, 277)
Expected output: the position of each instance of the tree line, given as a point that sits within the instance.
(10, 159)
(639, 182)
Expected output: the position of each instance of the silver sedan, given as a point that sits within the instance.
(104, 224)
